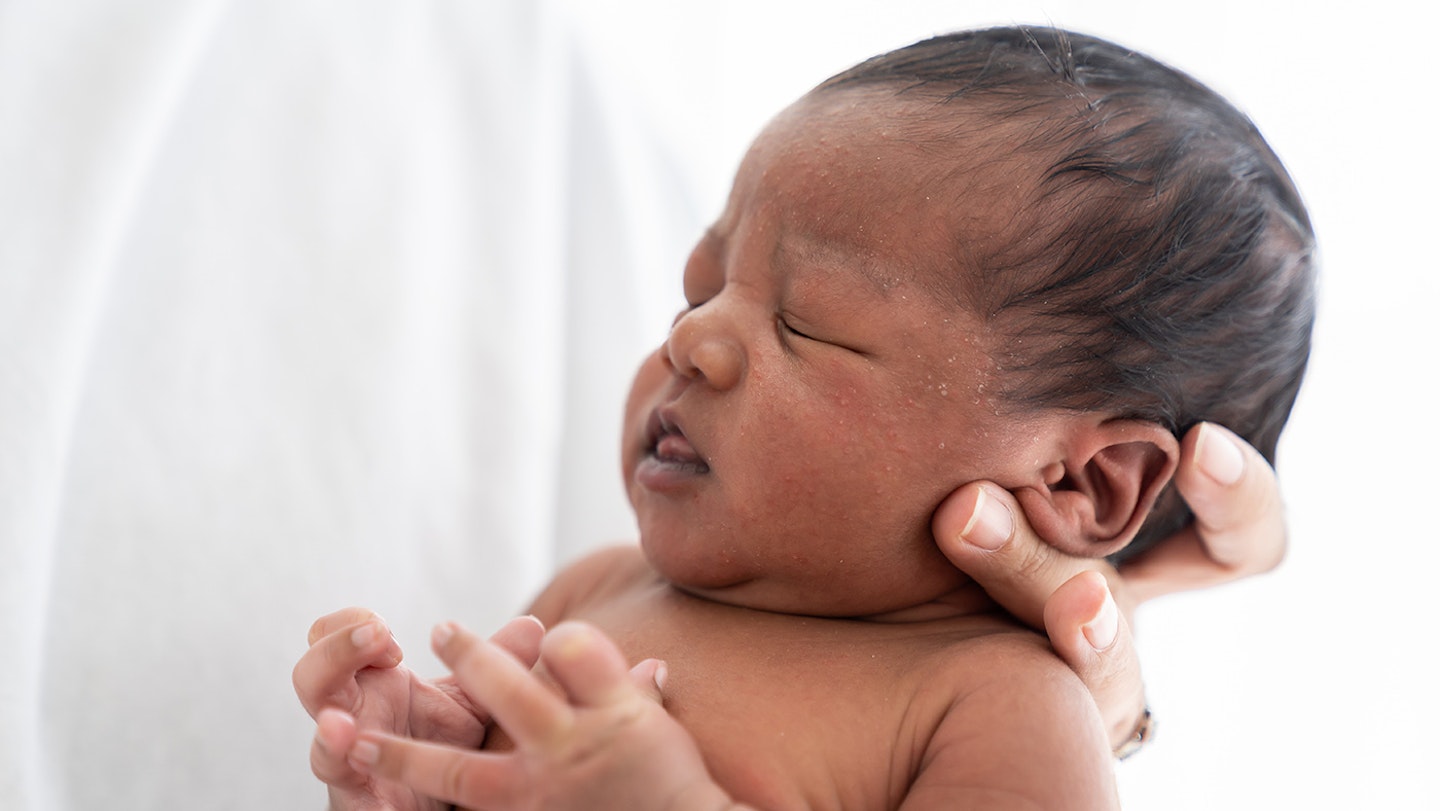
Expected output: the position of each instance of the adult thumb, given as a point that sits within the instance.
(983, 532)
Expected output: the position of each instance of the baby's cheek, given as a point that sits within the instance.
(645, 390)
(649, 379)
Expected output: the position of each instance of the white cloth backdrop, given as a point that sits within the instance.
(307, 303)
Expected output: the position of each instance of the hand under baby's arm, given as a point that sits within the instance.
(350, 678)
(606, 742)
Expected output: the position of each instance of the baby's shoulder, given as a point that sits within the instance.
(972, 654)
(1017, 723)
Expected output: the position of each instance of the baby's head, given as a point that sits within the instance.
(1161, 264)
(1027, 257)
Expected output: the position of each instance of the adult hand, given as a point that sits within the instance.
(351, 679)
(1085, 604)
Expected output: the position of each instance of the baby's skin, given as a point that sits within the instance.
(350, 678)
(785, 451)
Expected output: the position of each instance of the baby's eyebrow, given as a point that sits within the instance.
(801, 254)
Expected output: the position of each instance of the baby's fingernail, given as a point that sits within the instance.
(364, 754)
(1218, 456)
(990, 525)
(442, 634)
(1101, 631)
(661, 674)
(570, 640)
(362, 637)
(392, 650)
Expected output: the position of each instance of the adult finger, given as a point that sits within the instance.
(1088, 630)
(494, 679)
(983, 532)
(1239, 526)
(325, 674)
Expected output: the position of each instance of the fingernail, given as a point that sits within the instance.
(1218, 456)
(392, 650)
(1101, 631)
(661, 674)
(990, 525)
(362, 637)
(441, 634)
(570, 640)
(364, 753)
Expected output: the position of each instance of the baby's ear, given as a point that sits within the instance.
(1093, 502)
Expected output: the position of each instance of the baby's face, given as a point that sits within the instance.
(785, 448)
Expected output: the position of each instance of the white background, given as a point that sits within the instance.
(305, 304)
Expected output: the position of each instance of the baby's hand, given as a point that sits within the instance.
(350, 680)
(601, 741)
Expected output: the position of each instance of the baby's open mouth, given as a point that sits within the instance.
(669, 446)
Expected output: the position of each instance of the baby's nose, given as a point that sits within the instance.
(701, 346)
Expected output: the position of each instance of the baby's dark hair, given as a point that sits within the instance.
(1163, 267)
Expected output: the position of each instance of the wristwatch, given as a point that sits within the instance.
(1144, 731)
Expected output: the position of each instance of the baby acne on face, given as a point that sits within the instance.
(784, 449)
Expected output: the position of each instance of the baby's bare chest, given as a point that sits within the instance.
(790, 712)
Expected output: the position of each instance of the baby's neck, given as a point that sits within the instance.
(966, 600)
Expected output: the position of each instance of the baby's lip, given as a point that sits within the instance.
(667, 441)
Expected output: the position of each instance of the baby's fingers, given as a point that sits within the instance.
(587, 665)
(335, 620)
(461, 777)
(494, 679)
(520, 637)
(335, 735)
(649, 679)
(325, 674)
